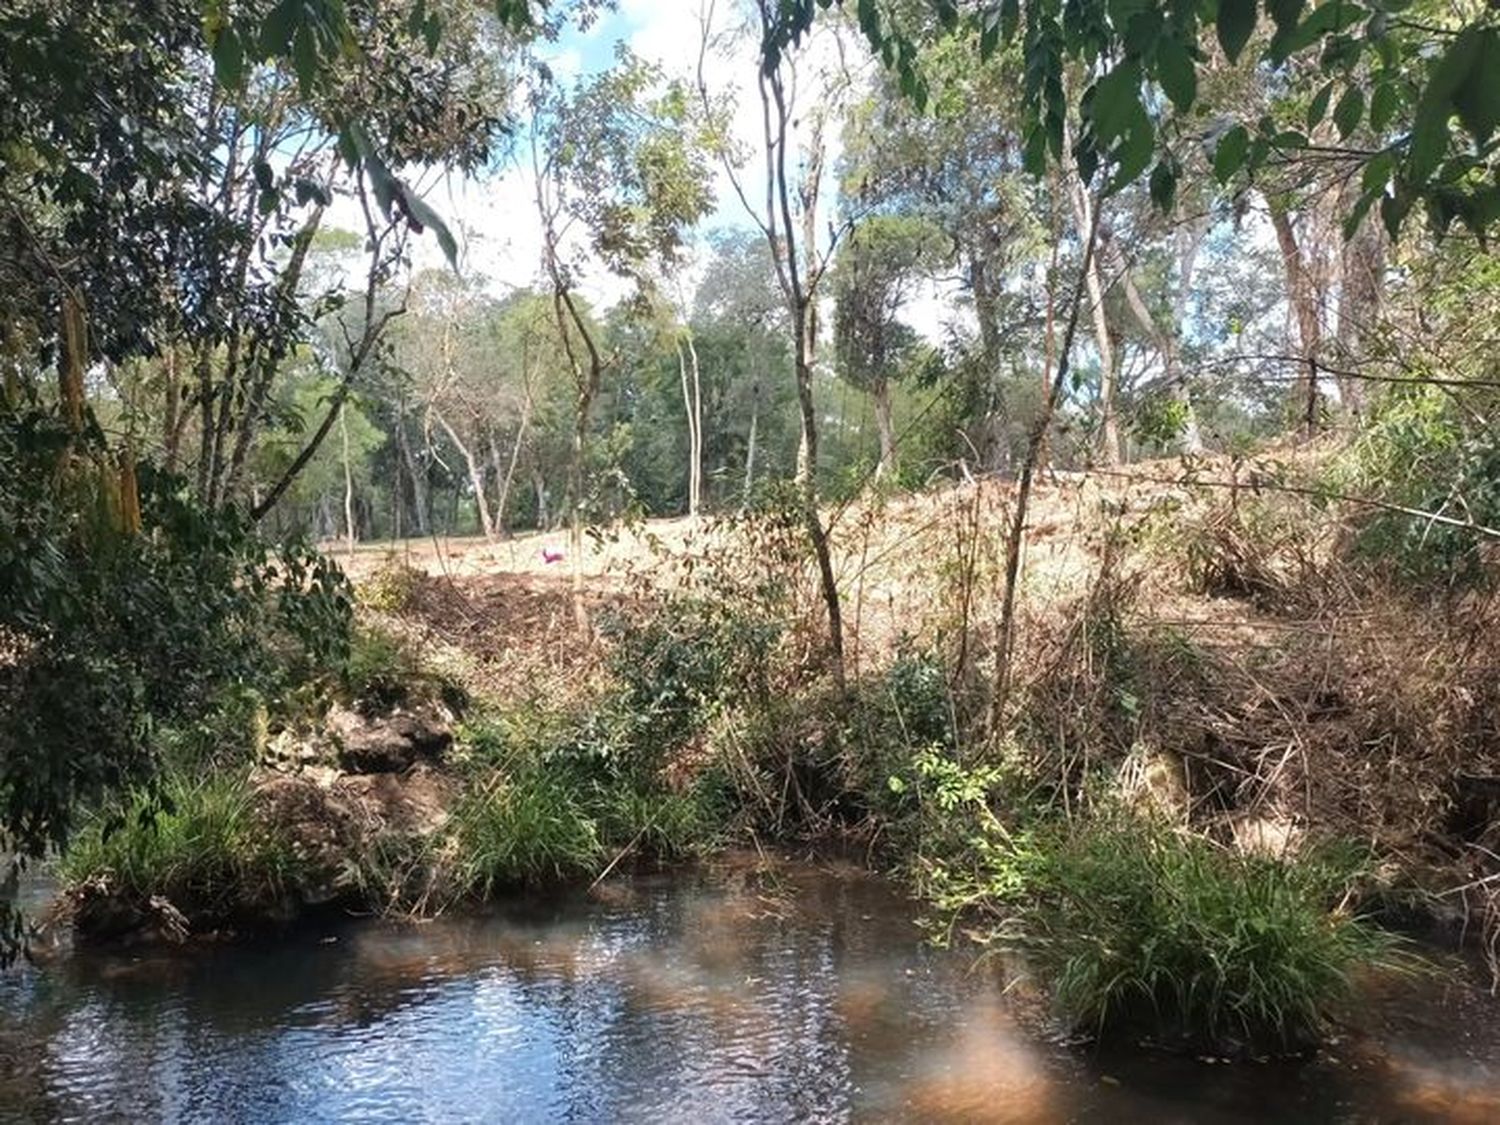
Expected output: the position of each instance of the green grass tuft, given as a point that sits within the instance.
(197, 843)
(1138, 926)
(527, 829)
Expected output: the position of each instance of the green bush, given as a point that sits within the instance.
(1431, 450)
(384, 671)
(526, 829)
(690, 658)
(1137, 926)
(195, 842)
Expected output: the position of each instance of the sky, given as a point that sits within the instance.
(495, 216)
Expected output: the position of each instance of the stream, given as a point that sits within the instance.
(738, 992)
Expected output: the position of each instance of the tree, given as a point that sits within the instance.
(878, 266)
(621, 172)
(1380, 62)
(957, 164)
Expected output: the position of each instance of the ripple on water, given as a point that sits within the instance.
(703, 998)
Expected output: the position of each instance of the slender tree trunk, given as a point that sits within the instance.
(750, 446)
(880, 393)
(1303, 298)
(171, 429)
(539, 485)
(417, 475)
(689, 407)
(476, 475)
(1361, 296)
(992, 446)
(1166, 345)
(349, 531)
(1111, 448)
(1005, 644)
(695, 481)
(502, 501)
(798, 275)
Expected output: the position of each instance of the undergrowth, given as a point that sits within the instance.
(195, 842)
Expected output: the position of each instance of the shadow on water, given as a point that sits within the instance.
(722, 995)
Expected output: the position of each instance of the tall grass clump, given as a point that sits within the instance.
(519, 831)
(1137, 926)
(195, 841)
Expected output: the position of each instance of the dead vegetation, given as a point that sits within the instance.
(1192, 619)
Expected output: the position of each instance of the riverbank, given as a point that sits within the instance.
(1183, 810)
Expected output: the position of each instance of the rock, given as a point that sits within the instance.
(390, 743)
(1152, 781)
(1271, 836)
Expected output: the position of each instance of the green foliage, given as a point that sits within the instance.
(193, 840)
(692, 657)
(520, 830)
(1138, 926)
(115, 630)
(1422, 450)
(1444, 69)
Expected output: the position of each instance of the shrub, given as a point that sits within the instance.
(523, 830)
(1137, 926)
(384, 671)
(196, 843)
(693, 657)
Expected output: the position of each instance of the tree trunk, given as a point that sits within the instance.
(689, 408)
(695, 494)
(750, 445)
(1166, 344)
(880, 392)
(992, 447)
(349, 532)
(1111, 448)
(419, 490)
(539, 484)
(502, 501)
(1360, 299)
(476, 475)
(1303, 299)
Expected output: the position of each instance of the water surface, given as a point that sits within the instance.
(740, 993)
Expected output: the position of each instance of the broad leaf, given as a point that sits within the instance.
(1175, 69)
(1229, 156)
(1347, 114)
(1235, 25)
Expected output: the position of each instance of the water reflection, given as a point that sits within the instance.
(723, 996)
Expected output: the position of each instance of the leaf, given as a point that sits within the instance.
(1393, 209)
(1429, 133)
(1163, 185)
(1378, 171)
(1235, 24)
(1477, 97)
(418, 209)
(1134, 151)
(1175, 69)
(1347, 114)
(1384, 103)
(1358, 212)
(1116, 99)
(1317, 109)
(1229, 156)
(229, 58)
(1010, 18)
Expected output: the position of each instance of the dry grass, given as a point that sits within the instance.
(1190, 608)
